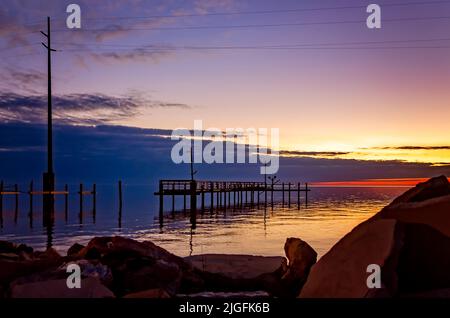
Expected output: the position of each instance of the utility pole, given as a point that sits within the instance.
(49, 176)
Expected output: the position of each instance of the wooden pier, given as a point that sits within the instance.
(227, 194)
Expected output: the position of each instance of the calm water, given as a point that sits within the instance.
(329, 214)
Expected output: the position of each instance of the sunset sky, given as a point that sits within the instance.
(337, 90)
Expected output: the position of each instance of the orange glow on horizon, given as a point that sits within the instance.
(395, 182)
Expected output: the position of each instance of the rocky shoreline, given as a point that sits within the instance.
(409, 240)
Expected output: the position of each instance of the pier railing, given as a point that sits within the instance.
(177, 187)
(226, 194)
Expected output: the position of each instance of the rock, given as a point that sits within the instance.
(409, 239)
(434, 212)
(424, 259)
(50, 254)
(90, 288)
(139, 277)
(138, 266)
(301, 257)
(99, 247)
(22, 248)
(10, 251)
(342, 272)
(7, 247)
(74, 249)
(236, 266)
(11, 270)
(237, 273)
(91, 269)
(9, 256)
(432, 188)
(151, 293)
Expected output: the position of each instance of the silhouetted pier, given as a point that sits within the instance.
(227, 194)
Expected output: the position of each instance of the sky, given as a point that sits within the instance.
(350, 102)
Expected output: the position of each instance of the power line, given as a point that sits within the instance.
(285, 48)
(266, 11)
(297, 46)
(295, 10)
(245, 26)
(226, 47)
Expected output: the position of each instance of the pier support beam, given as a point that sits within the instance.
(1, 203)
(80, 215)
(161, 204)
(66, 202)
(30, 213)
(289, 195)
(211, 189)
(193, 193)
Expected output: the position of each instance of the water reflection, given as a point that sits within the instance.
(252, 229)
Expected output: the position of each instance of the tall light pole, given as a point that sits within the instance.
(49, 176)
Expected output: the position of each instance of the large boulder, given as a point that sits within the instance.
(237, 266)
(342, 272)
(75, 249)
(139, 266)
(102, 247)
(409, 240)
(427, 203)
(26, 263)
(432, 188)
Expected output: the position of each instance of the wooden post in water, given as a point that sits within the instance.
(66, 202)
(203, 197)
(94, 202)
(81, 203)
(258, 193)
(161, 203)
(16, 210)
(241, 191)
(173, 197)
(211, 189)
(306, 193)
(225, 196)
(193, 205)
(265, 192)
(1, 203)
(184, 197)
(298, 195)
(271, 193)
(120, 203)
(289, 194)
(252, 193)
(30, 194)
(282, 190)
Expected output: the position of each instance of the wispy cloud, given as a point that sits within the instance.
(135, 55)
(22, 80)
(295, 153)
(90, 109)
(412, 148)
